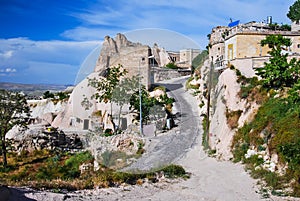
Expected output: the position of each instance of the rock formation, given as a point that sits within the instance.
(112, 50)
(37, 137)
(80, 109)
(224, 99)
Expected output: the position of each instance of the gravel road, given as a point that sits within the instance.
(169, 147)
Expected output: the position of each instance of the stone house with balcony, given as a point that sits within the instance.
(240, 46)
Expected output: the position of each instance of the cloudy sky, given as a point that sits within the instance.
(45, 41)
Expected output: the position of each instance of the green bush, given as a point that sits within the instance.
(109, 158)
(171, 66)
(108, 132)
(55, 167)
(239, 152)
(173, 171)
(71, 166)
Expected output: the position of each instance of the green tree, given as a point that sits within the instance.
(122, 93)
(14, 111)
(294, 12)
(107, 83)
(294, 93)
(48, 94)
(149, 103)
(278, 72)
(62, 95)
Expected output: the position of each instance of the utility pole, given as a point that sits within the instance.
(140, 96)
(208, 99)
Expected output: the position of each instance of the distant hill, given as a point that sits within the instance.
(32, 89)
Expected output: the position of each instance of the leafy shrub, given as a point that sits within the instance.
(71, 166)
(62, 95)
(290, 152)
(160, 88)
(171, 66)
(254, 160)
(276, 124)
(239, 152)
(189, 86)
(271, 178)
(48, 94)
(56, 167)
(172, 171)
(108, 132)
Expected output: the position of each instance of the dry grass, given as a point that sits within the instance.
(233, 118)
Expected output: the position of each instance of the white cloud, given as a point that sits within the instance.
(8, 70)
(51, 55)
(194, 18)
(6, 54)
(83, 33)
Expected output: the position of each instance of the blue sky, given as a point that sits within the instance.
(45, 41)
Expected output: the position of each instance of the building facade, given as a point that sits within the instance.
(241, 45)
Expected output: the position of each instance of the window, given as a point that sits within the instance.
(230, 52)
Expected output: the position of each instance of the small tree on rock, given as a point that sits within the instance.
(14, 111)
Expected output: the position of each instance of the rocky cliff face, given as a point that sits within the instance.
(231, 112)
(228, 111)
(111, 49)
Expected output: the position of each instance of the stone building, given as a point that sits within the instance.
(134, 57)
(240, 45)
(186, 58)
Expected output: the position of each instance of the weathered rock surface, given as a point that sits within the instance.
(38, 138)
(111, 50)
(45, 110)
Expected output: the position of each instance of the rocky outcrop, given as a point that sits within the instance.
(44, 111)
(160, 55)
(226, 97)
(111, 49)
(224, 101)
(38, 137)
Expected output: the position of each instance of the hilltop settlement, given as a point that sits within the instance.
(245, 108)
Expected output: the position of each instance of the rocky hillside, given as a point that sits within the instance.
(251, 124)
